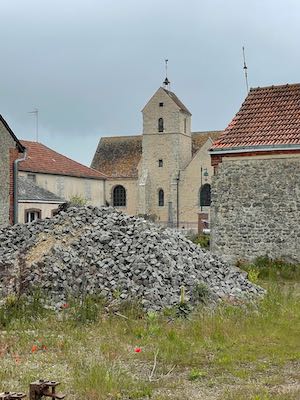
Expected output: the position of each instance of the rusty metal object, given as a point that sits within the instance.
(41, 388)
(11, 396)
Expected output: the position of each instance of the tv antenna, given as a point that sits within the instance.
(245, 68)
(35, 112)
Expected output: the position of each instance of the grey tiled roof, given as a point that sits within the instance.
(28, 190)
(177, 101)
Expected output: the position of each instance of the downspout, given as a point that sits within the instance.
(200, 191)
(16, 186)
(177, 184)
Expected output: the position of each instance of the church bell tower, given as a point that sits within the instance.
(167, 149)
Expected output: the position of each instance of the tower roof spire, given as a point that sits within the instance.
(166, 82)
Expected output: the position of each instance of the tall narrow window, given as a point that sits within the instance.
(184, 125)
(160, 163)
(119, 196)
(160, 125)
(161, 198)
(205, 195)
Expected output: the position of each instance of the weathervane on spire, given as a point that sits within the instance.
(166, 81)
(245, 68)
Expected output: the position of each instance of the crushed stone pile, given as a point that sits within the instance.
(103, 251)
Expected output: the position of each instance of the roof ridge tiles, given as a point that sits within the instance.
(274, 86)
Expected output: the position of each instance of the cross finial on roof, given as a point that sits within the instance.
(166, 81)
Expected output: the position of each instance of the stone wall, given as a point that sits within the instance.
(256, 208)
(6, 143)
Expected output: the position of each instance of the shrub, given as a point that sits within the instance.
(201, 240)
(271, 269)
(77, 200)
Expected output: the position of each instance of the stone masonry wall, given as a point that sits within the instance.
(6, 143)
(256, 208)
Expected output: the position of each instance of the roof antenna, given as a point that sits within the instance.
(36, 113)
(245, 68)
(166, 81)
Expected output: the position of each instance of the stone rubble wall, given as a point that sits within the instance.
(6, 144)
(255, 209)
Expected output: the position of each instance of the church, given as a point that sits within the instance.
(164, 173)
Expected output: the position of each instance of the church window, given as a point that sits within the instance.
(205, 195)
(184, 123)
(119, 196)
(161, 104)
(160, 163)
(160, 125)
(161, 198)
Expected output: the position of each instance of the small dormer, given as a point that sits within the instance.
(165, 113)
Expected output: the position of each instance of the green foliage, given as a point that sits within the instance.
(201, 293)
(99, 381)
(195, 374)
(83, 310)
(93, 351)
(274, 270)
(22, 308)
(201, 240)
(77, 200)
(253, 275)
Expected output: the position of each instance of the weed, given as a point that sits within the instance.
(201, 240)
(253, 275)
(85, 310)
(195, 374)
(23, 308)
(200, 293)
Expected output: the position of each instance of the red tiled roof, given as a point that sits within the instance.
(44, 160)
(269, 116)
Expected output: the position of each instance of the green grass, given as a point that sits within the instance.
(274, 270)
(246, 352)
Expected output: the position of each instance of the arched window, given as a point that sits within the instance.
(119, 196)
(161, 198)
(160, 125)
(205, 196)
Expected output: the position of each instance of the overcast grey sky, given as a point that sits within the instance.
(91, 65)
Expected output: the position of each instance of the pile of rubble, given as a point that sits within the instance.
(103, 251)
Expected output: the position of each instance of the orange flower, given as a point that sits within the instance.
(137, 350)
(44, 347)
(34, 348)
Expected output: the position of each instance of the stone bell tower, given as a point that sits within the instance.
(167, 149)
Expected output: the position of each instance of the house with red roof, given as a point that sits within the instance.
(255, 207)
(56, 178)
(11, 152)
